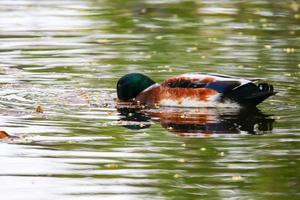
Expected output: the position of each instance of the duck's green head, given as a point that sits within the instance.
(130, 85)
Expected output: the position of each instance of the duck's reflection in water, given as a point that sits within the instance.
(201, 122)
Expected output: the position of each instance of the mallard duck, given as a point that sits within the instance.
(193, 90)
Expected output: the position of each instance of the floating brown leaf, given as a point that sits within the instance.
(39, 109)
(3, 134)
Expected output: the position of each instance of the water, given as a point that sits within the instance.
(67, 56)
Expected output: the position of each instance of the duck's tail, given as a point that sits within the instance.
(250, 94)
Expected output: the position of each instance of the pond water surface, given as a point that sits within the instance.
(66, 56)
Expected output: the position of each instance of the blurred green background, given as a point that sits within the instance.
(67, 55)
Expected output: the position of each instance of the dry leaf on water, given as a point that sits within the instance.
(3, 134)
(39, 109)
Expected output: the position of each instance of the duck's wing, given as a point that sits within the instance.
(220, 83)
(187, 81)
